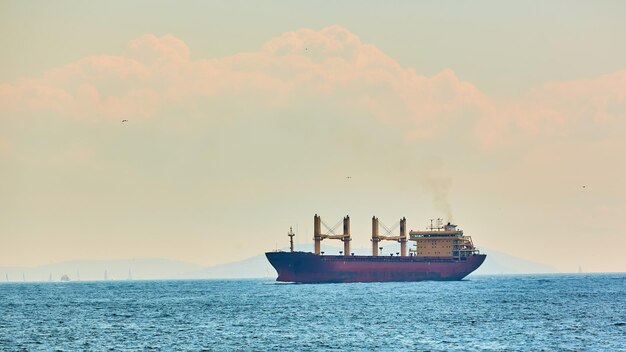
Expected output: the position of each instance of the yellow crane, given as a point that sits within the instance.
(318, 236)
(376, 237)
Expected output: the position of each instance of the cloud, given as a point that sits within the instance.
(332, 67)
(165, 51)
(574, 108)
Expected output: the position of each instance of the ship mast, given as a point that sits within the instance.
(291, 234)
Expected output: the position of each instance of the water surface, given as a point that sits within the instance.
(482, 313)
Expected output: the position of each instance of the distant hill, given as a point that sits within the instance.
(253, 267)
(502, 263)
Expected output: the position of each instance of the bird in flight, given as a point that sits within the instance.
(348, 176)
(124, 120)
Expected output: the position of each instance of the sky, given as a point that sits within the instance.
(506, 118)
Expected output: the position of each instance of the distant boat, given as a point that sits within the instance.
(65, 278)
(580, 270)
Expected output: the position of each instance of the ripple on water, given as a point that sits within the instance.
(489, 313)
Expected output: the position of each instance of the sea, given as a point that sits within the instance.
(561, 312)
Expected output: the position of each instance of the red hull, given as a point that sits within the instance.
(307, 267)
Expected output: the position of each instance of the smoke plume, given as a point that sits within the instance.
(438, 185)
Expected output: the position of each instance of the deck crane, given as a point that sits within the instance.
(318, 236)
(376, 237)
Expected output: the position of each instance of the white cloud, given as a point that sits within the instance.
(331, 66)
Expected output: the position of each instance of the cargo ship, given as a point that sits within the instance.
(441, 253)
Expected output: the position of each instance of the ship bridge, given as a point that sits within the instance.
(441, 240)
